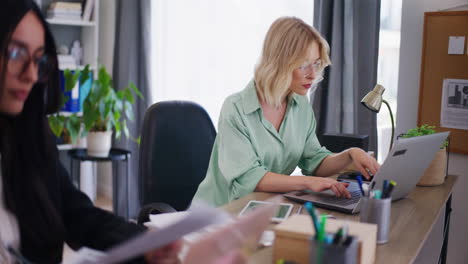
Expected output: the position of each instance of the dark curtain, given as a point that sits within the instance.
(351, 28)
(131, 64)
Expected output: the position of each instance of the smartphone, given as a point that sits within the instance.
(282, 214)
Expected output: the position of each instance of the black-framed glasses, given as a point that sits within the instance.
(19, 59)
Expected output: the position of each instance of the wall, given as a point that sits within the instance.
(408, 92)
(106, 51)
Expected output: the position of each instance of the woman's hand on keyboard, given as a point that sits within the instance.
(318, 184)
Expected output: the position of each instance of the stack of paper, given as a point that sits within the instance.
(66, 61)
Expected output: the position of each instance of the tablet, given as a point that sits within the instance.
(282, 214)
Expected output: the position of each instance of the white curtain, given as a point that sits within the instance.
(205, 50)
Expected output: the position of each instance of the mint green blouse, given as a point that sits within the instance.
(248, 146)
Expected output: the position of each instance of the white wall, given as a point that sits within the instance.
(408, 92)
(106, 58)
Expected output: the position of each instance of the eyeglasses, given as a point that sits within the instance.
(19, 60)
(308, 68)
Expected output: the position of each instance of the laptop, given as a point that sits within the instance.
(405, 164)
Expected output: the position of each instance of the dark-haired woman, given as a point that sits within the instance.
(39, 207)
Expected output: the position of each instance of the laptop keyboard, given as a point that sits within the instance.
(355, 196)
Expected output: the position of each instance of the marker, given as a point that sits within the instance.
(385, 186)
(377, 194)
(389, 190)
(359, 179)
(344, 236)
(338, 236)
(323, 223)
(365, 187)
(310, 209)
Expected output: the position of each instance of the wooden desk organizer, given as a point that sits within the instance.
(292, 238)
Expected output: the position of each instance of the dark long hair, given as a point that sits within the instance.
(28, 153)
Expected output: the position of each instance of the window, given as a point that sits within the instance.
(389, 53)
(205, 50)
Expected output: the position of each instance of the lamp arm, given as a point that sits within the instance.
(393, 123)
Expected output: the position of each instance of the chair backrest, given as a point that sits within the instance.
(176, 143)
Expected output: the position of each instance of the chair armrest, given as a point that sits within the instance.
(153, 208)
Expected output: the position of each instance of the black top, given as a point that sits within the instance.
(85, 224)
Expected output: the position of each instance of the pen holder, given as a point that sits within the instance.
(377, 212)
(344, 253)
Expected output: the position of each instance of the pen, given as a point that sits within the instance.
(359, 179)
(299, 210)
(372, 184)
(310, 209)
(323, 223)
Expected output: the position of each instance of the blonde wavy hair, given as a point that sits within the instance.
(286, 45)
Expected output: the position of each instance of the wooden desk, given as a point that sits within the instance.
(412, 220)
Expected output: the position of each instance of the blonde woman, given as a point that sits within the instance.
(268, 129)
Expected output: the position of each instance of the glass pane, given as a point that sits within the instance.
(205, 50)
(389, 54)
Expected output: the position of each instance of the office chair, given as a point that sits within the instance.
(176, 143)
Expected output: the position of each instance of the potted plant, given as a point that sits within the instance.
(436, 172)
(105, 110)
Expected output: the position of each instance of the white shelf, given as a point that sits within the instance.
(66, 113)
(74, 67)
(64, 22)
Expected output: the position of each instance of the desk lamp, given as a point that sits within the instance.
(373, 100)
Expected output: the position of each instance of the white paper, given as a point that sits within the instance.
(456, 45)
(244, 232)
(159, 221)
(454, 104)
(199, 217)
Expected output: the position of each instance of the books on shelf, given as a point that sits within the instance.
(66, 62)
(88, 9)
(64, 10)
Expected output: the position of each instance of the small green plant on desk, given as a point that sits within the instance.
(436, 172)
(421, 131)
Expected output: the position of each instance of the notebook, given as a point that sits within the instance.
(405, 164)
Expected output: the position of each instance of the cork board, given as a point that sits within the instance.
(437, 65)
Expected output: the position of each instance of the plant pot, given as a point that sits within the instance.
(99, 143)
(436, 172)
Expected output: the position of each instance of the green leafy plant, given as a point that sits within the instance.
(421, 131)
(104, 109)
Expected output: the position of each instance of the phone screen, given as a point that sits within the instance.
(283, 211)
